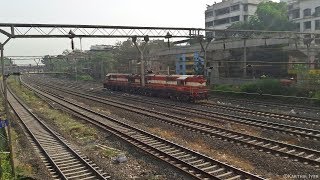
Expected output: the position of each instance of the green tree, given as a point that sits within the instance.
(270, 16)
(127, 51)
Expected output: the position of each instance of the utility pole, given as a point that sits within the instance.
(81, 44)
(245, 58)
(4, 79)
(141, 51)
(75, 68)
(204, 49)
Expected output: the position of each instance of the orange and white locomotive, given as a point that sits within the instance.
(179, 87)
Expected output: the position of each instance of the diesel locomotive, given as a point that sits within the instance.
(177, 87)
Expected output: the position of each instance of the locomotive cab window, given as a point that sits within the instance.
(181, 82)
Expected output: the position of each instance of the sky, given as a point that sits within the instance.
(166, 13)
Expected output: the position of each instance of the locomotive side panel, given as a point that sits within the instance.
(177, 87)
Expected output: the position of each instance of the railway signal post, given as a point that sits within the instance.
(141, 51)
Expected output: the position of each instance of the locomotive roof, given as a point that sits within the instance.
(180, 77)
(109, 74)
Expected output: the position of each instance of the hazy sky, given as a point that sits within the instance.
(176, 13)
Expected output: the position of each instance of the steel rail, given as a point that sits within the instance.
(200, 166)
(293, 118)
(286, 150)
(282, 128)
(265, 103)
(51, 138)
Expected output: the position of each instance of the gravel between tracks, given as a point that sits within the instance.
(242, 128)
(252, 160)
(26, 155)
(138, 166)
(224, 124)
(259, 162)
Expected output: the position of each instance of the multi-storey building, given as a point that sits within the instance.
(286, 1)
(222, 15)
(188, 64)
(306, 14)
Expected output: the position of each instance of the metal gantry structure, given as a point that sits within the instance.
(24, 31)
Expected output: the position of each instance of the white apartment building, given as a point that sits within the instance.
(306, 14)
(221, 15)
(286, 1)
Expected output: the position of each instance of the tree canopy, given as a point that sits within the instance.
(270, 16)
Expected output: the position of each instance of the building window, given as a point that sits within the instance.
(222, 11)
(306, 12)
(209, 24)
(307, 25)
(317, 24)
(209, 34)
(245, 18)
(295, 14)
(317, 11)
(297, 26)
(209, 14)
(245, 7)
(317, 39)
(235, 19)
(221, 21)
(235, 7)
(290, 7)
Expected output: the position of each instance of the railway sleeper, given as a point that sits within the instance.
(202, 164)
(225, 174)
(80, 175)
(155, 143)
(183, 156)
(71, 166)
(196, 161)
(74, 169)
(234, 177)
(309, 156)
(190, 159)
(178, 153)
(92, 177)
(70, 163)
(51, 143)
(166, 148)
(63, 160)
(216, 171)
(171, 152)
(77, 172)
(61, 155)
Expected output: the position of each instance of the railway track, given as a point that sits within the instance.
(296, 153)
(192, 163)
(267, 103)
(62, 161)
(212, 115)
(242, 110)
(292, 118)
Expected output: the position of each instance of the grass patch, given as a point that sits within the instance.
(5, 166)
(163, 133)
(64, 121)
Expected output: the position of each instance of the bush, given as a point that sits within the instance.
(267, 86)
(317, 95)
(85, 78)
(224, 87)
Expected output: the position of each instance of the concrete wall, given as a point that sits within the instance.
(219, 45)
